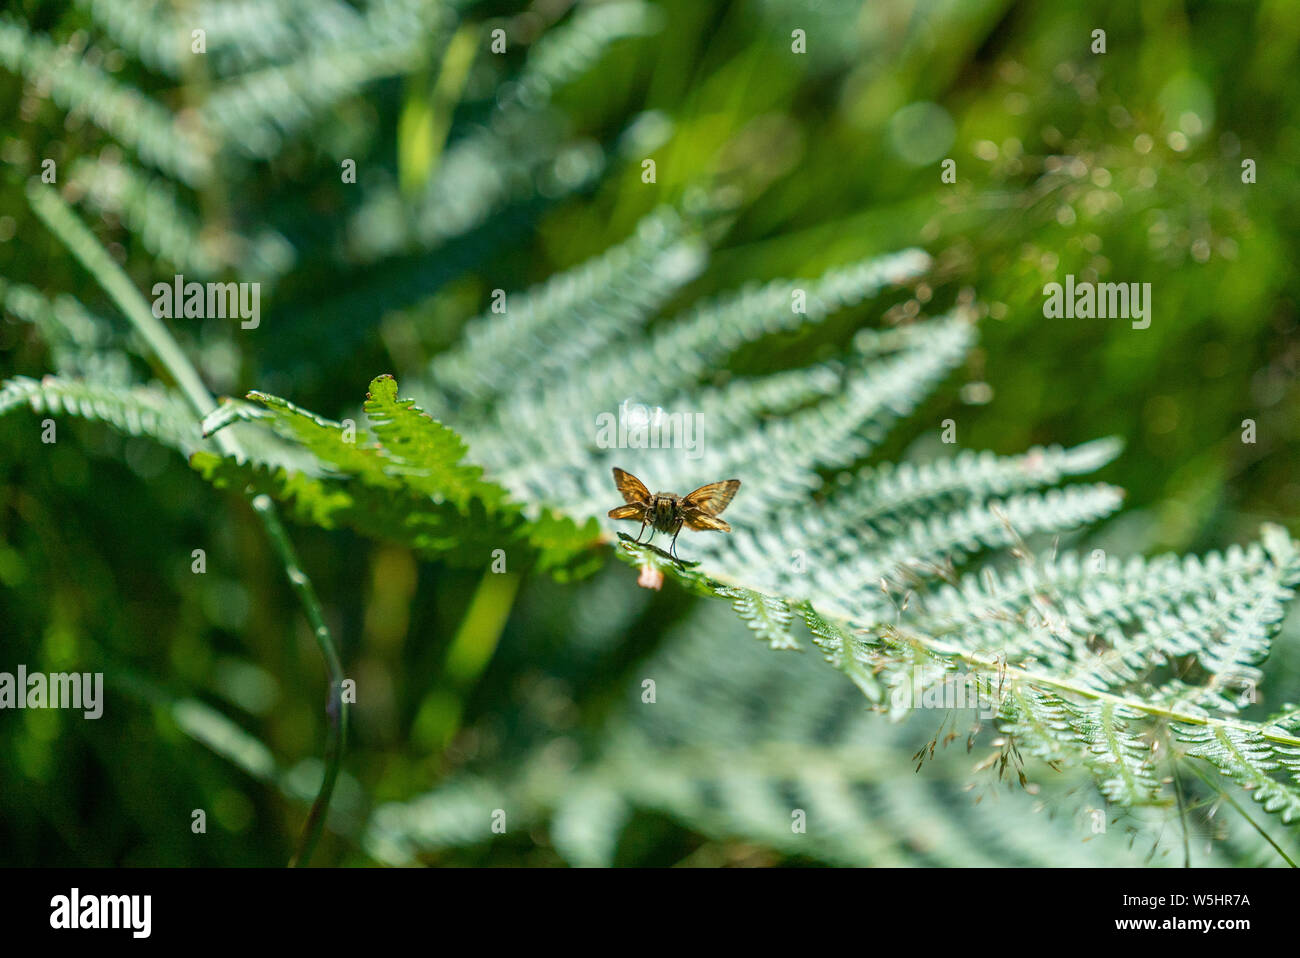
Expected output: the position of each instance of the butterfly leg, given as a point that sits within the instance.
(641, 531)
(672, 549)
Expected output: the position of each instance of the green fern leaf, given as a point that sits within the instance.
(136, 411)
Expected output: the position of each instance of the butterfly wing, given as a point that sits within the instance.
(703, 523)
(700, 509)
(633, 510)
(713, 498)
(632, 489)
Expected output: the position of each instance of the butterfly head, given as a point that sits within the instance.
(664, 511)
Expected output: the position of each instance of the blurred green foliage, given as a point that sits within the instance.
(1125, 166)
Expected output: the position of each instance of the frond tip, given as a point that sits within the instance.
(405, 480)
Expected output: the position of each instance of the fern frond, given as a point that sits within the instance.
(743, 404)
(749, 746)
(1122, 761)
(842, 652)
(404, 481)
(571, 49)
(328, 441)
(121, 111)
(844, 428)
(768, 616)
(433, 530)
(145, 28)
(681, 352)
(1104, 591)
(1222, 609)
(539, 442)
(429, 455)
(147, 206)
(554, 327)
(240, 33)
(255, 112)
(518, 153)
(908, 489)
(79, 341)
(586, 824)
(1251, 761)
(991, 524)
(453, 815)
(1058, 689)
(136, 411)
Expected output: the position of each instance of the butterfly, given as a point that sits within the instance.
(668, 512)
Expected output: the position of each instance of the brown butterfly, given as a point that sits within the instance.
(668, 512)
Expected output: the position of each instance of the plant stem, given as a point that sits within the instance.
(1227, 797)
(335, 706)
(994, 664)
(63, 223)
